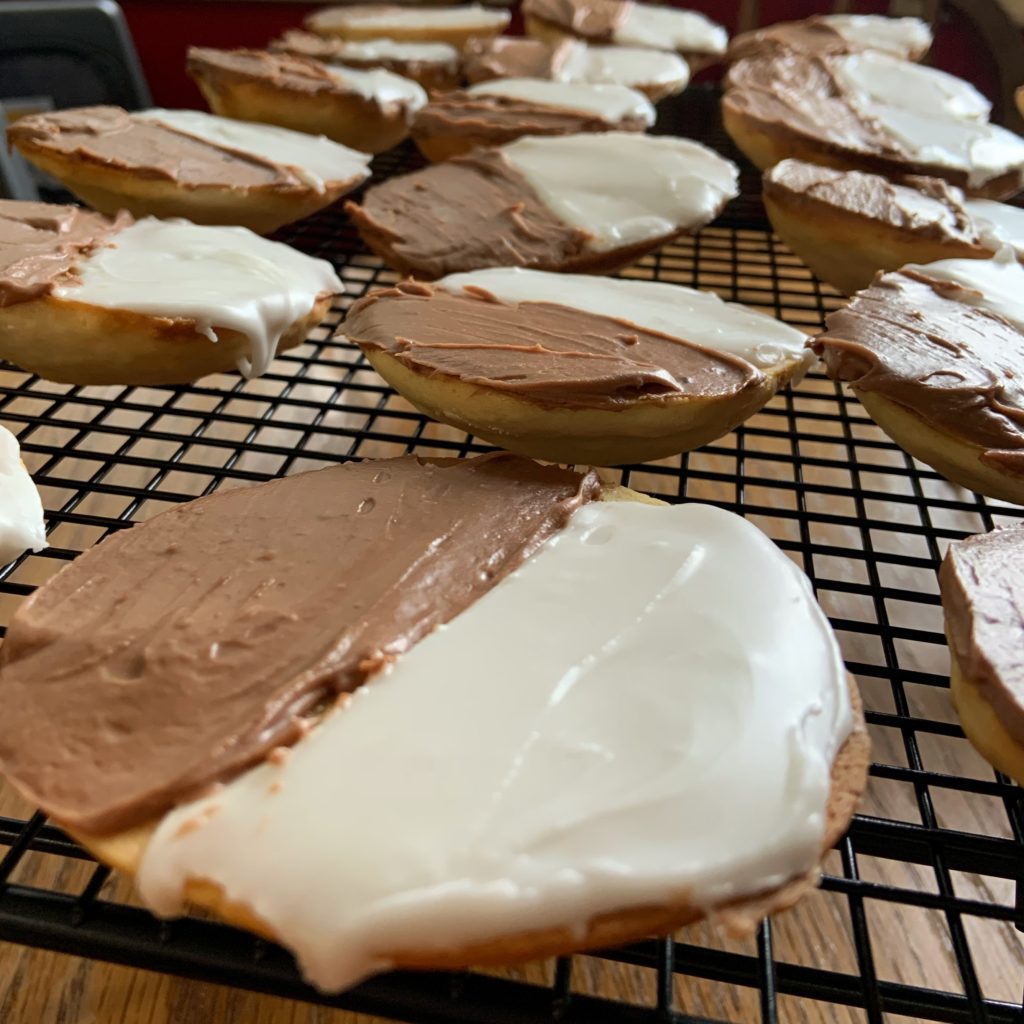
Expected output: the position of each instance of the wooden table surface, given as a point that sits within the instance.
(911, 945)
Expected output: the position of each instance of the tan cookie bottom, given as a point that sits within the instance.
(849, 775)
(108, 188)
(982, 726)
(846, 250)
(346, 118)
(957, 460)
(76, 343)
(639, 432)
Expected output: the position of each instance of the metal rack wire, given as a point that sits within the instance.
(939, 845)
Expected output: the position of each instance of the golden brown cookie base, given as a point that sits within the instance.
(846, 250)
(957, 460)
(454, 36)
(108, 189)
(765, 146)
(76, 343)
(343, 117)
(639, 432)
(982, 726)
(124, 852)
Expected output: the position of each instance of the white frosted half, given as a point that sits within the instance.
(996, 284)
(877, 78)
(695, 316)
(982, 151)
(998, 224)
(622, 65)
(900, 37)
(314, 159)
(384, 87)
(668, 28)
(393, 49)
(218, 277)
(674, 734)
(384, 18)
(21, 510)
(624, 187)
(613, 103)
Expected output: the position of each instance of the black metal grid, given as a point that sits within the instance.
(939, 845)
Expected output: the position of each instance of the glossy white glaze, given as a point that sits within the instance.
(983, 151)
(996, 284)
(878, 78)
(901, 37)
(384, 87)
(392, 49)
(998, 224)
(218, 277)
(646, 711)
(312, 158)
(384, 18)
(634, 66)
(668, 28)
(614, 103)
(624, 187)
(695, 316)
(21, 510)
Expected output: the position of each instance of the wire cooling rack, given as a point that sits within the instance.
(922, 905)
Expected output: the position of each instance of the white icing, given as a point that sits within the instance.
(650, 707)
(900, 37)
(695, 316)
(218, 277)
(384, 87)
(996, 284)
(622, 65)
(469, 16)
(877, 78)
(624, 187)
(21, 510)
(922, 210)
(392, 49)
(998, 224)
(982, 151)
(667, 28)
(614, 103)
(313, 158)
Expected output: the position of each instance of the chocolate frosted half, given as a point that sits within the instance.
(594, 19)
(113, 137)
(982, 584)
(499, 119)
(179, 652)
(510, 57)
(473, 211)
(913, 340)
(41, 245)
(552, 355)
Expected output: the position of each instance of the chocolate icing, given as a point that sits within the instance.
(40, 244)
(113, 137)
(594, 19)
(501, 119)
(874, 197)
(812, 35)
(982, 586)
(792, 92)
(429, 73)
(473, 211)
(179, 652)
(508, 57)
(957, 366)
(550, 354)
(282, 71)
